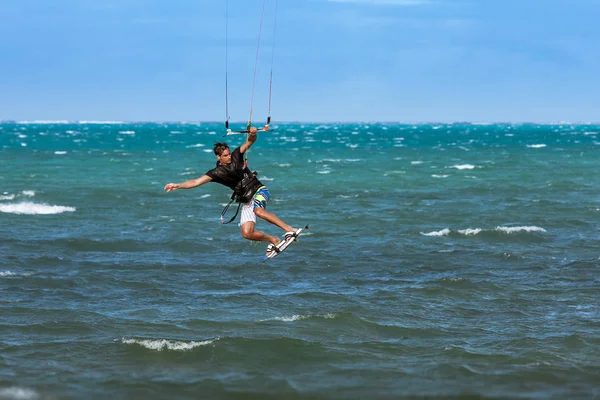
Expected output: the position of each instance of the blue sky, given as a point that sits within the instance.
(342, 60)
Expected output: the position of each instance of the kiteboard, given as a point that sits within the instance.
(286, 243)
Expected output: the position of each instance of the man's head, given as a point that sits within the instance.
(223, 153)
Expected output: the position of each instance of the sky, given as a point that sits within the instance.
(332, 60)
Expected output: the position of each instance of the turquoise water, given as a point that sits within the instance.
(444, 261)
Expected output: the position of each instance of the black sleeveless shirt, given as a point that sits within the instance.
(230, 175)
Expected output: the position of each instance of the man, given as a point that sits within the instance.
(232, 172)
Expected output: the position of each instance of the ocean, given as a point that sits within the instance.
(443, 261)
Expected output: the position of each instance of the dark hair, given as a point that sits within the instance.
(219, 148)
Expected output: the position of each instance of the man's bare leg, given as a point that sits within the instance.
(249, 233)
(272, 218)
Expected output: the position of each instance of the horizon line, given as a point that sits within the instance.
(347, 122)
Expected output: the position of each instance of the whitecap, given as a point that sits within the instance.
(10, 273)
(60, 152)
(29, 193)
(515, 229)
(8, 197)
(286, 319)
(470, 232)
(463, 166)
(536, 146)
(34, 209)
(324, 172)
(164, 344)
(18, 393)
(443, 232)
(297, 317)
(194, 145)
(439, 176)
(127, 132)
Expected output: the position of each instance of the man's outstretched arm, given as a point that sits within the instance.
(192, 183)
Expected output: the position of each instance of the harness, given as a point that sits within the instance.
(242, 193)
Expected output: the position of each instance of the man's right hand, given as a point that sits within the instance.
(171, 186)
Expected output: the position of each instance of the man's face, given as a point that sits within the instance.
(225, 157)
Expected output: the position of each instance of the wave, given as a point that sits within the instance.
(19, 393)
(165, 344)
(34, 209)
(298, 317)
(463, 166)
(10, 273)
(475, 231)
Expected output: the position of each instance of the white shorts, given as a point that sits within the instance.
(248, 213)
(260, 199)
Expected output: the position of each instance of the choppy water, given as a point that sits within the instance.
(449, 261)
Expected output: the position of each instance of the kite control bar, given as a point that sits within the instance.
(231, 132)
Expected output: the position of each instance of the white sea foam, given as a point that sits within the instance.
(463, 166)
(443, 232)
(7, 197)
(10, 273)
(476, 231)
(298, 317)
(204, 196)
(60, 152)
(34, 208)
(28, 193)
(439, 176)
(416, 162)
(515, 229)
(470, 232)
(18, 393)
(284, 165)
(536, 146)
(164, 344)
(324, 172)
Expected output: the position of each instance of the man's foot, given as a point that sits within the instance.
(291, 234)
(272, 249)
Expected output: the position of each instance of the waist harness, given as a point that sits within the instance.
(242, 193)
